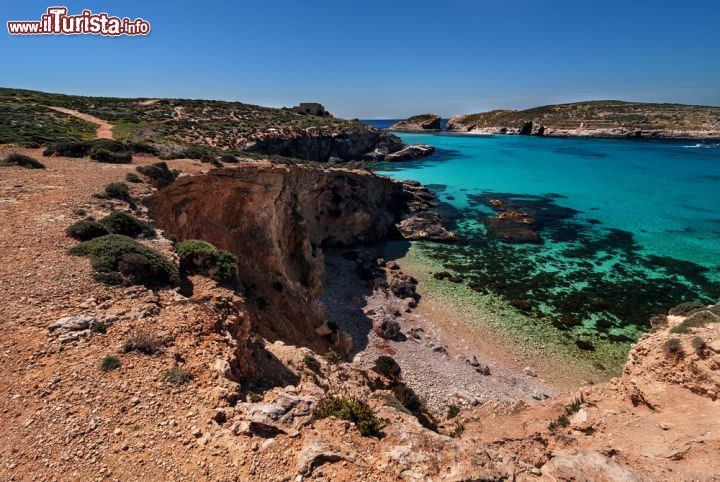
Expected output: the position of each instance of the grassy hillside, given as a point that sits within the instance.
(604, 114)
(175, 122)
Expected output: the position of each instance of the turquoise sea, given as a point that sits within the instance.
(625, 228)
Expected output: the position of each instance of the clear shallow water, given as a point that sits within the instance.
(632, 227)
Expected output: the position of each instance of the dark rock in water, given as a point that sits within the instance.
(380, 262)
(410, 152)
(521, 217)
(526, 129)
(392, 265)
(450, 197)
(511, 230)
(521, 304)
(425, 225)
(594, 221)
(585, 345)
(387, 328)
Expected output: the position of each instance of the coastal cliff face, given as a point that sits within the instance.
(277, 219)
(418, 123)
(361, 144)
(597, 119)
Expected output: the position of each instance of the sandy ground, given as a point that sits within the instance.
(435, 361)
(104, 130)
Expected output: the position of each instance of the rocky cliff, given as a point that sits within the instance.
(418, 123)
(597, 119)
(277, 219)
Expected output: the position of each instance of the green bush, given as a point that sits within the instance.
(119, 259)
(110, 363)
(86, 229)
(388, 367)
(176, 376)
(352, 410)
(159, 173)
(132, 177)
(68, 149)
(312, 363)
(103, 155)
(201, 257)
(453, 411)
(118, 190)
(408, 398)
(229, 158)
(22, 160)
(109, 145)
(120, 222)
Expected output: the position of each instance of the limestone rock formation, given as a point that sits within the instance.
(418, 123)
(276, 219)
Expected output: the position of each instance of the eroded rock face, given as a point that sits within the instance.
(322, 147)
(276, 219)
(418, 123)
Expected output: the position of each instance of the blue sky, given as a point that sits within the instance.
(382, 59)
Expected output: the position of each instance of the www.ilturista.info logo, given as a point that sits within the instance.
(56, 21)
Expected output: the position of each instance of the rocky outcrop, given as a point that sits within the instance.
(277, 219)
(418, 123)
(410, 152)
(320, 146)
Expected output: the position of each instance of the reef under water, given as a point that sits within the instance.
(566, 255)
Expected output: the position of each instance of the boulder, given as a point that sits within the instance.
(410, 152)
(387, 328)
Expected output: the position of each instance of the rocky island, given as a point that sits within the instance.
(418, 123)
(603, 118)
(198, 296)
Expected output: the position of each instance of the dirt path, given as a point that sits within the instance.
(104, 130)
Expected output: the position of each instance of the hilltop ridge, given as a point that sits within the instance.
(174, 126)
(601, 118)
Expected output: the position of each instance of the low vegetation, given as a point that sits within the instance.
(176, 376)
(86, 229)
(673, 347)
(117, 222)
(203, 258)
(387, 367)
(564, 420)
(312, 363)
(604, 114)
(121, 260)
(453, 411)
(103, 155)
(352, 410)
(698, 319)
(142, 341)
(687, 308)
(178, 128)
(110, 363)
(159, 174)
(120, 222)
(22, 160)
(133, 178)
